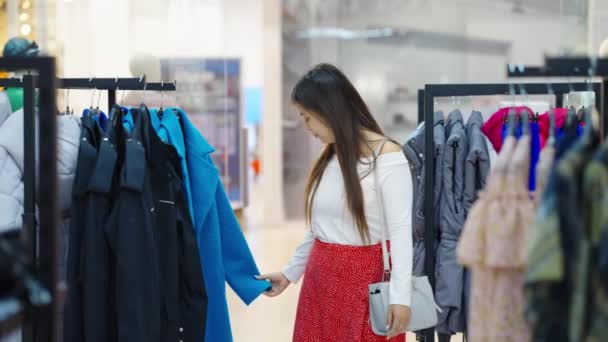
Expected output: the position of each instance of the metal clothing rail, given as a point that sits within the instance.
(42, 244)
(430, 92)
(572, 67)
(111, 85)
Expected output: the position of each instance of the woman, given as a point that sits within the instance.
(342, 255)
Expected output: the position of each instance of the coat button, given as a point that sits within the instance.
(181, 329)
(421, 155)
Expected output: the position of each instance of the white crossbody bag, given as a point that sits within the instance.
(423, 306)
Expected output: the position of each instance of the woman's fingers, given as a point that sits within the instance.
(397, 326)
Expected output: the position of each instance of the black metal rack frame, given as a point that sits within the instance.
(427, 96)
(34, 325)
(571, 67)
(42, 245)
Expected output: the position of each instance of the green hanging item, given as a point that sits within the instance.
(15, 97)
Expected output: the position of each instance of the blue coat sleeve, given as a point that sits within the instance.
(239, 265)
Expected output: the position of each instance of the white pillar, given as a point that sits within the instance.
(597, 24)
(272, 117)
(12, 13)
(42, 22)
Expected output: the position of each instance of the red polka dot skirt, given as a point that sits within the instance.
(334, 304)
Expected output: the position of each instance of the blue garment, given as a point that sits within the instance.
(170, 132)
(100, 117)
(225, 255)
(566, 138)
(534, 149)
(127, 121)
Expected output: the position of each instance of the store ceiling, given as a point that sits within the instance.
(333, 8)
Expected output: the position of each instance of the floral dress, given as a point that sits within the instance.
(492, 247)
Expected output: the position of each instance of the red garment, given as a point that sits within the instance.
(334, 304)
(493, 127)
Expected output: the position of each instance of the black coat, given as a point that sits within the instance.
(90, 311)
(134, 264)
(130, 230)
(87, 156)
(183, 290)
(96, 272)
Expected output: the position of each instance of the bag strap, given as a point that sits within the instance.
(385, 255)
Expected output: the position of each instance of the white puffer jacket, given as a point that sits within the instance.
(11, 165)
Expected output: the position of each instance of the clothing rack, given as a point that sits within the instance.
(572, 67)
(42, 245)
(430, 92)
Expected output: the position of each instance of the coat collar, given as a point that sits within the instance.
(204, 176)
(195, 142)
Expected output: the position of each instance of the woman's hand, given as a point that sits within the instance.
(399, 317)
(279, 283)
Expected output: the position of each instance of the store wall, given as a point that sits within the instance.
(99, 37)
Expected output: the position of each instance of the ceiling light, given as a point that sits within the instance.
(24, 16)
(26, 29)
(26, 4)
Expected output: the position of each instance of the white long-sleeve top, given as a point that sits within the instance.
(332, 221)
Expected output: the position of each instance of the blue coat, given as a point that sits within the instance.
(225, 255)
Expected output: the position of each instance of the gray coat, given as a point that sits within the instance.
(450, 275)
(11, 166)
(414, 152)
(477, 165)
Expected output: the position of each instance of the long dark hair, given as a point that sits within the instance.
(327, 93)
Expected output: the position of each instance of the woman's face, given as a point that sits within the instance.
(316, 126)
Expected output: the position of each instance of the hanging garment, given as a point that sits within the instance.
(11, 166)
(506, 247)
(545, 124)
(225, 255)
(449, 274)
(494, 252)
(535, 147)
(98, 308)
(414, 152)
(476, 172)
(5, 107)
(184, 298)
(130, 230)
(15, 96)
(492, 128)
(595, 188)
(73, 329)
(169, 130)
(558, 259)
(322, 315)
(574, 228)
(477, 167)
(543, 170)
